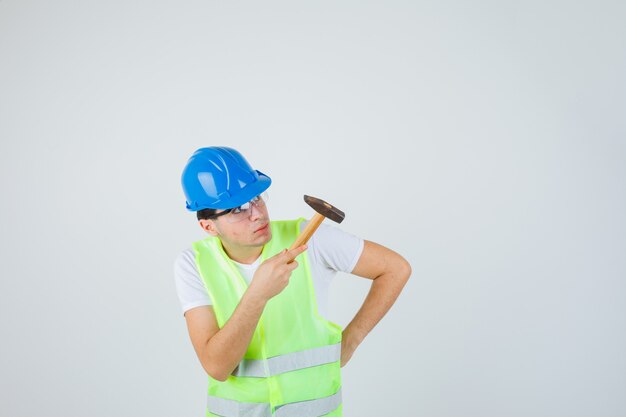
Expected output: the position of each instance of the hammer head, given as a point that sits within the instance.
(325, 209)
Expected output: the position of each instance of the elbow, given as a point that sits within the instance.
(405, 269)
(401, 267)
(215, 365)
(220, 378)
(400, 270)
(215, 374)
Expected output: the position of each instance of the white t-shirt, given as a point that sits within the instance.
(330, 250)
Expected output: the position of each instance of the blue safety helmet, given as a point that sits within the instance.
(220, 178)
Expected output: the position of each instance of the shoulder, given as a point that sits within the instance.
(185, 256)
(189, 285)
(185, 263)
(334, 247)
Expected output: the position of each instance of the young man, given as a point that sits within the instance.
(257, 312)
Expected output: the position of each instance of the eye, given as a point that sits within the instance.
(241, 208)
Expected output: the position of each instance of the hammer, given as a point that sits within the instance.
(323, 210)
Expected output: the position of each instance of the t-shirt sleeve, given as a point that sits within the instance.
(189, 285)
(336, 249)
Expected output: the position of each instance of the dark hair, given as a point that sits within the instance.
(205, 214)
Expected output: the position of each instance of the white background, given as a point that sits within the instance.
(484, 141)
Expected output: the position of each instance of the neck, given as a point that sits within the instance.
(242, 254)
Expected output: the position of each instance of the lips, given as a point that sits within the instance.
(262, 228)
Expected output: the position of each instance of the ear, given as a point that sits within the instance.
(208, 226)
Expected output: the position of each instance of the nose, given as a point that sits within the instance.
(255, 212)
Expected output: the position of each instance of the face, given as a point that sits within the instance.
(253, 231)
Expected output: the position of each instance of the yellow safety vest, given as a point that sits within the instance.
(292, 365)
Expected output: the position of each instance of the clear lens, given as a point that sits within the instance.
(245, 210)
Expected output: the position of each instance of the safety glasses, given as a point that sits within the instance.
(244, 211)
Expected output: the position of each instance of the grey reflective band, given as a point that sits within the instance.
(289, 362)
(312, 408)
(231, 408)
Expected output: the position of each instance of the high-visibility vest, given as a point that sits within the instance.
(292, 365)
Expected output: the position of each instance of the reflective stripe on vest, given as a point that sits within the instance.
(289, 362)
(231, 408)
(311, 408)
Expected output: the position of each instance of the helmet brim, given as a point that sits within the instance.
(243, 195)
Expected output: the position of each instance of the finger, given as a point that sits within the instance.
(288, 256)
(297, 251)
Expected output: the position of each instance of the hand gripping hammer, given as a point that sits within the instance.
(323, 210)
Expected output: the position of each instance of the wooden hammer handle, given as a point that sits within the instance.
(308, 231)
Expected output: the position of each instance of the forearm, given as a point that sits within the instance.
(228, 346)
(383, 293)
